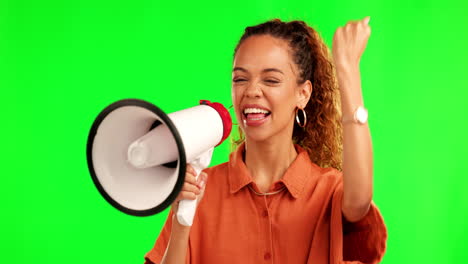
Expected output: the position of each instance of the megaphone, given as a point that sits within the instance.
(137, 154)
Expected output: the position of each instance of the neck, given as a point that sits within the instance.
(267, 161)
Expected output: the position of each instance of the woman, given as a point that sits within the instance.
(282, 197)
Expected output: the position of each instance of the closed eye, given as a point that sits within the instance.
(239, 80)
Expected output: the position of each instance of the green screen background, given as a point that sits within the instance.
(62, 62)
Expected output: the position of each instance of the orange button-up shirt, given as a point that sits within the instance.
(301, 224)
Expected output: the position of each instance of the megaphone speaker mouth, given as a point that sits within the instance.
(132, 190)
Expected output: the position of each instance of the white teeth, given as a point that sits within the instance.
(255, 111)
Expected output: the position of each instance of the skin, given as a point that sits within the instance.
(349, 43)
(269, 148)
(276, 90)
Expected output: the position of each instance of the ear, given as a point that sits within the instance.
(303, 94)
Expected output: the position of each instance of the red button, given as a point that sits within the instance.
(265, 213)
(267, 256)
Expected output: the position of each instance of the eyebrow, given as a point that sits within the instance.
(263, 71)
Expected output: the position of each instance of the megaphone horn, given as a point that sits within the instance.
(137, 154)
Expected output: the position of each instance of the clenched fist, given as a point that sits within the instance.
(193, 188)
(349, 43)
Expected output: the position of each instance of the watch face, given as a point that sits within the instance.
(361, 115)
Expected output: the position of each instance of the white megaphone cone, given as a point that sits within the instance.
(137, 155)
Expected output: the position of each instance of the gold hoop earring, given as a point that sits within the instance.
(297, 118)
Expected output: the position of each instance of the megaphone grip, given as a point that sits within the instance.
(186, 212)
(187, 208)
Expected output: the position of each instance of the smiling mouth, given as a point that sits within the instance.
(255, 114)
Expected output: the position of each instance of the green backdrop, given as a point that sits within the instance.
(61, 62)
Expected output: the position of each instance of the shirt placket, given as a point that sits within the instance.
(266, 253)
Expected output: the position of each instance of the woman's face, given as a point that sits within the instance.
(265, 92)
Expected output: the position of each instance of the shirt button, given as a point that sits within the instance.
(265, 213)
(267, 256)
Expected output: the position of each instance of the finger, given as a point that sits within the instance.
(366, 20)
(368, 31)
(203, 187)
(200, 197)
(188, 187)
(184, 195)
(350, 27)
(337, 34)
(175, 207)
(190, 179)
(352, 23)
(202, 180)
(191, 170)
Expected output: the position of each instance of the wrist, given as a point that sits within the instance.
(343, 67)
(359, 116)
(349, 81)
(350, 101)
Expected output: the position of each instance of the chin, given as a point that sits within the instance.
(268, 132)
(257, 136)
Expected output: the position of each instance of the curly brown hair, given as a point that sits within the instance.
(322, 136)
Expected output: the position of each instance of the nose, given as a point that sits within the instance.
(253, 91)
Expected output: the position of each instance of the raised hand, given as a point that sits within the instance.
(349, 42)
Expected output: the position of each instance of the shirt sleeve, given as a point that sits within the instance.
(358, 242)
(365, 240)
(155, 255)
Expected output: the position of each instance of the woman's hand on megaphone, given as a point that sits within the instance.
(193, 188)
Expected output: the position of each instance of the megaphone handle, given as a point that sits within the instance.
(187, 208)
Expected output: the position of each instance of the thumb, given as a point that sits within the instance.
(202, 180)
(202, 185)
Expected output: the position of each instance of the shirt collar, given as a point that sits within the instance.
(294, 178)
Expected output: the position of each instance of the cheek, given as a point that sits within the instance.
(284, 94)
(234, 94)
(236, 97)
(284, 102)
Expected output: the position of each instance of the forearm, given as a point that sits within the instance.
(176, 250)
(357, 148)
